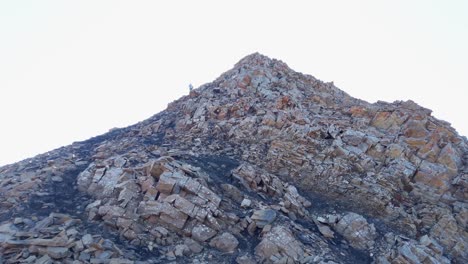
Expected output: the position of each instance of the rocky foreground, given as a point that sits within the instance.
(263, 165)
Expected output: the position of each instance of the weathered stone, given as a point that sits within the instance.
(264, 217)
(57, 252)
(225, 242)
(232, 192)
(387, 120)
(245, 259)
(181, 250)
(166, 183)
(7, 231)
(415, 129)
(412, 252)
(445, 232)
(326, 231)
(105, 184)
(166, 213)
(357, 231)
(244, 82)
(84, 256)
(87, 240)
(246, 203)
(277, 242)
(44, 260)
(202, 233)
(182, 204)
(449, 157)
(193, 245)
(433, 175)
(55, 242)
(120, 261)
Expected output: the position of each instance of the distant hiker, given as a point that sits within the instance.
(190, 86)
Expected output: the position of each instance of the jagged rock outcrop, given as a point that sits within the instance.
(263, 165)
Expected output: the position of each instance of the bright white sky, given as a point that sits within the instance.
(70, 70)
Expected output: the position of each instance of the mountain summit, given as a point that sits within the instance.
(262, 165)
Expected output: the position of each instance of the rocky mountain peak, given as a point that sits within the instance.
(262, 165)
(271, 84)
(255, 59)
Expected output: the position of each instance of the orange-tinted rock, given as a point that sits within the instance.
(222, 113)
(358, 111)
(415, 129)
(450, 158)
(429, 151)
(394, 151)
(387, 120)
(415, 142)
(225, 242)
(244, 82)
(166, 183)
(284, 102)
(279, 239)
(269, 119)
(433, 175)
(355, 228)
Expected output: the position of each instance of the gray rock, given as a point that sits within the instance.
(87, 240)
(225, 242)
(44, 260)
(84, 256)
(181, 250)
(264, 217)
(57, 179)
(232, 192)
(279, 242)
(325, 231)
(104, 255)
(193, 245)
(245, 259)
(356, 230)
(57, 252)
(202, 233)
(7, 232)
(246, 203)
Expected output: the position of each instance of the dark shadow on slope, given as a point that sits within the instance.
(323, 205)
(219, 169)
(64, 197)
(349, 256)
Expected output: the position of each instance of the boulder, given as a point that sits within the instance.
(202, 233)
(325, 230)
(58, 252)
(264, 217)
(225, 242)
(357, 231)
(435, 176)
(279, 242)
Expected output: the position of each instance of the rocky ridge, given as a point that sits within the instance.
(263, 165)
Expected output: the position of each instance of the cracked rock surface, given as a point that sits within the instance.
(262, 165)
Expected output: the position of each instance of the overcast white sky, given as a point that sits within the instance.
(70, 70)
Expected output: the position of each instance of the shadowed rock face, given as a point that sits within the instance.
(263, 165)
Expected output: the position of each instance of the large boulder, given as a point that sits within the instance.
(202, 233)
(357, 231)
(225, 242)
(279, 243)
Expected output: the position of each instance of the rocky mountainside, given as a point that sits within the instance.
(263, 165)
